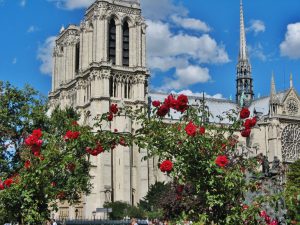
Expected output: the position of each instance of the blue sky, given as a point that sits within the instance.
(192, 44)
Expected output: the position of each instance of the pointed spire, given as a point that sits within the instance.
(243, 51)
(273, 89)
(62, 28)
(291, 80)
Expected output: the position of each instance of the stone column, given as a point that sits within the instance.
(132, 47)
(90, 47)
(54, 72)
(138, 45)
(85, 50)
(105, 39)
(63, 64)
(96, 55)
(143, 45)
(119, 44)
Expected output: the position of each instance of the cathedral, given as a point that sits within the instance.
(102, 61)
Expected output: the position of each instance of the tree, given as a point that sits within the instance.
(43, 159)
(155, 195)
(292, 192)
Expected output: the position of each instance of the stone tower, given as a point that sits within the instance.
(244, 86)
(99, 63)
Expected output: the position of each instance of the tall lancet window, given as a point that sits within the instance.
(125, 44)
(77, 57)
(112, 41)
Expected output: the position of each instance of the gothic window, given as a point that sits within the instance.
(126, 90)
(290, 140)
(125, 44)
(77, 57)
(112, 41)
(112, 87)
(111, 81)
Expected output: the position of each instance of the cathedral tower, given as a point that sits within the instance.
(244, 86)
(99, 63)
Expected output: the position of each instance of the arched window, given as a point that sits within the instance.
(112, 41)
(125, 44)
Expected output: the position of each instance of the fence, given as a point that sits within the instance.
(100, 222)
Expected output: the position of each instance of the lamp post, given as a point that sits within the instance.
(76, 214)
(94, 214)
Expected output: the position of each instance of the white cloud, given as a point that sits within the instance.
(72, 4)
(199, 94)
(23, 3)
(256, 26)
(290, 47)
(166, 63)
(14, 61)
(187, 76)
(45, 55)
(191, 23)
(32, 29)
(203, 49)
(257, 51)
(161, 9)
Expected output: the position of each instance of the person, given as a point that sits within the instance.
(133, 221)
(54, 222)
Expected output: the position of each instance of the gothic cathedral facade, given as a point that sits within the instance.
(103, 62)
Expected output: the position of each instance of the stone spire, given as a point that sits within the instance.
(244, 86)
(291, 80)
(273, 89)
(243, 51)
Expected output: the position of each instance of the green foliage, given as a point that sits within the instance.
(156, 193)
(292, 192)
(120, 210)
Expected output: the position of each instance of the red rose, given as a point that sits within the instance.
(122, 142)
(202, 130)
(221, 160)
(53, 184)
(163, 110)
(263, 213)
(1, 186)
(191, 129)
(182, 103)
(274, 222)
(156, 103)
(247, 124)
(245, 207)
(27, 164)
(8, 182)
(253, 121)
(115, 130)
(96, 151)
(71, 167)
(37, 154)
(74, 123)
(245, 113)
(166, 166)
(114, 108)
(268, 219)
(179, 189)
(170, 102)
(71, 135)
(223, 146)
(110, 117)
(61, 195)
(37, 133)
(246, 132)
(31, 140)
